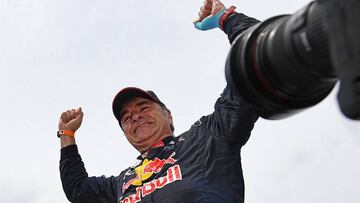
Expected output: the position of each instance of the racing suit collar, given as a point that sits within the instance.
(157, 147)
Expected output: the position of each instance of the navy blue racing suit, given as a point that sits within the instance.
(201, 165)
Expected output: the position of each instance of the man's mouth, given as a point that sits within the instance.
(141, 127)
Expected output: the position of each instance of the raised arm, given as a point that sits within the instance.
(78, 187)
(69, 122)
(233, 118)
(213, 14)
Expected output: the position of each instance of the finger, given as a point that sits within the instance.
(68, 115)
(206, 5)
(72, 113)
(218, 5)
(216, 11)
(204, 11)
(198, 20)
(79, 113)
(202, 15)
(211, 1)
(63, 117)
(206, 8)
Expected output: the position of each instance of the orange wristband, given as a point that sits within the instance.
(65, 132)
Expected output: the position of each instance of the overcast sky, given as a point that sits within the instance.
(56, 55)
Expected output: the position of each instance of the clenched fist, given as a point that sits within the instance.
(71, 119)
(209, 15)
(209, 8)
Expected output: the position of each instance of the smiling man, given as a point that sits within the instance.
(202, 164)
(144, 119)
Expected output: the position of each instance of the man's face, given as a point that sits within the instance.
(144, 123)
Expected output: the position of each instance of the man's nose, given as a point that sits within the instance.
(136, 116)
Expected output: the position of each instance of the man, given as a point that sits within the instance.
(200, 165)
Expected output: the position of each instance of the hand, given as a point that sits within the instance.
(209, 15)
(71, 119)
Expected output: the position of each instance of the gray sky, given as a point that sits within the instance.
(56, 55)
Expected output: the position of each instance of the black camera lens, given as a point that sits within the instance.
(282, 65)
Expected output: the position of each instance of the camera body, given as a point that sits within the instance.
(291, 62)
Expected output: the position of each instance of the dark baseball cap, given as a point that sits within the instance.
(129, 93)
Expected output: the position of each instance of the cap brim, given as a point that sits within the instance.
(125, 95)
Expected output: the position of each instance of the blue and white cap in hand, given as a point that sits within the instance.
(210, 22)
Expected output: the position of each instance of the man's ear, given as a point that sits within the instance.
(169, 114)
(170, 119)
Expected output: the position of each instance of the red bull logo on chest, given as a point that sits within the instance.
(173, 174)
(147, 169)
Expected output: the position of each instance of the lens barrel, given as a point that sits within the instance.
(282, 65)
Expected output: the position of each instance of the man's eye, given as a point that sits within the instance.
(126, 118)
(145, 108)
